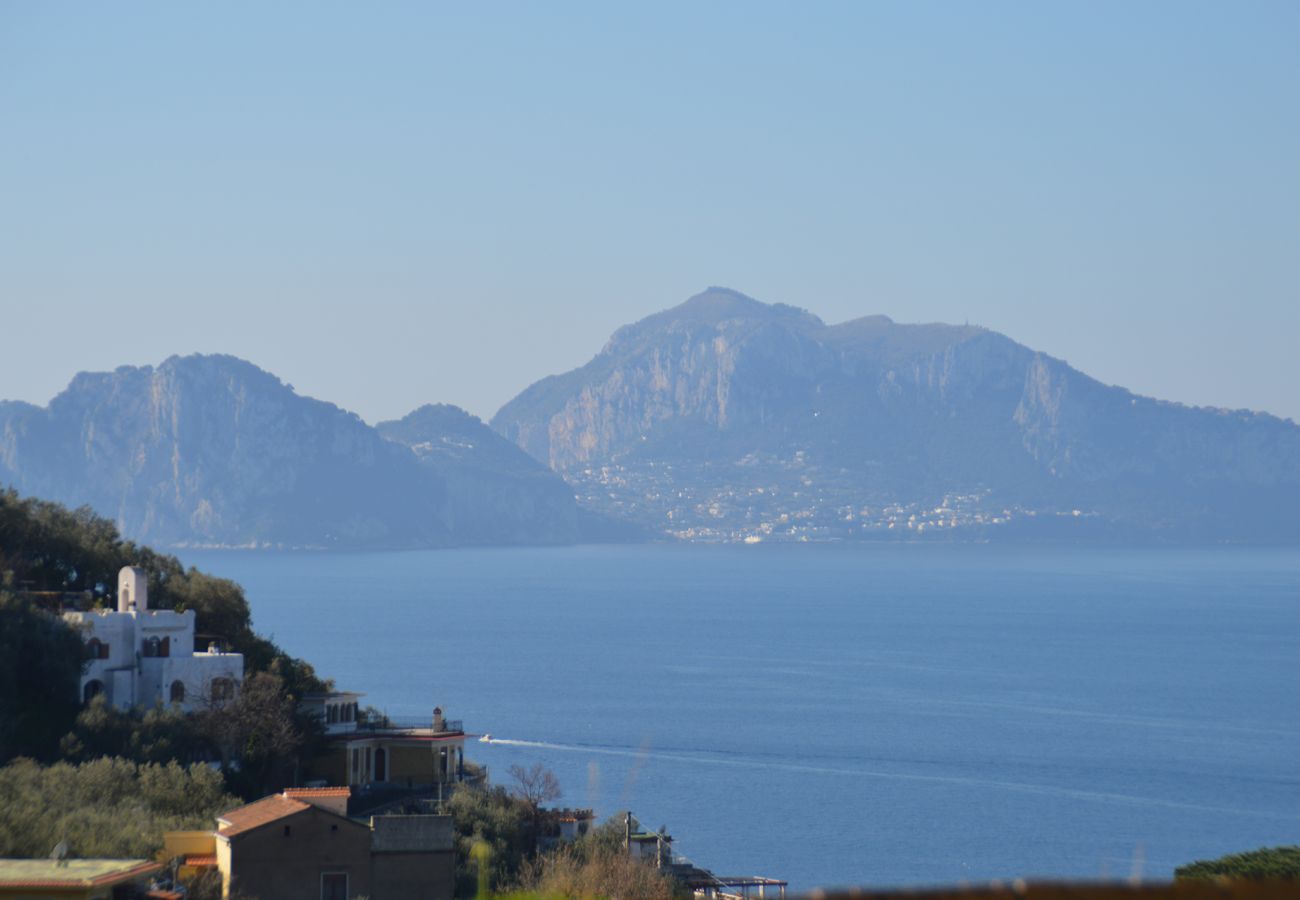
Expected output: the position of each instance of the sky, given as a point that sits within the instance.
(387, 205)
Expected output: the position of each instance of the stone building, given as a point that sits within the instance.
(137, 656)
(301, 845)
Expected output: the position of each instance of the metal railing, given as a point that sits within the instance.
(391, 723)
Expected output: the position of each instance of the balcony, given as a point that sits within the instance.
(409, 723)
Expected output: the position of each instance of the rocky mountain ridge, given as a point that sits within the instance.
(730, 419)
(213, 451)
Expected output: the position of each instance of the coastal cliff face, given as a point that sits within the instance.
(211, 450)
(729, 418)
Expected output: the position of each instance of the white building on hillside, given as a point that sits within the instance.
(139, 656)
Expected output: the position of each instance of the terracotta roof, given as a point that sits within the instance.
(200, 860)
(319, 792)
(259, 813)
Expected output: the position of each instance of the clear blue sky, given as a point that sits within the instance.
(391, 204)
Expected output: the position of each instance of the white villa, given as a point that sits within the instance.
(138, 656)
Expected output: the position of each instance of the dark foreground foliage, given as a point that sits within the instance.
(40, 678)
(1280, 863)
(109, 808)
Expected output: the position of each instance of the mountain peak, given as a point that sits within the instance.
(711, 308)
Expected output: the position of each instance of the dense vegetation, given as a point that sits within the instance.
(108, 808)
(40, 678)
(47, 547)
(497, 832)
(46, 551)
(597, 865)
(1256, 865)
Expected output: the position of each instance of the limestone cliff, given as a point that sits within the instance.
(723, 415)
(211, 450)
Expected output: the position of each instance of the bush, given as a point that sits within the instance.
(595, 871)
(109, 808)
(1281, 863)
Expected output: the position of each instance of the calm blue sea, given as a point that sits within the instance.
(833, 715)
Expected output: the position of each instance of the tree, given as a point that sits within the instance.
(51, 548)
(535, 785)
(497, 823)
(40, 679)
(595, 868)
(161, 734)
(1267, 863)
(108, 808)
(258, 730)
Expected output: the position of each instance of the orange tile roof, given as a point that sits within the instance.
(259, 813)
(319, 792)
(200, 860)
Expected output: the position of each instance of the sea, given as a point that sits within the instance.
(834, 715)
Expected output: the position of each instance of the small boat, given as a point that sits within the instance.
(485, 739)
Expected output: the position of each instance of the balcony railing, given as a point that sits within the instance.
(390, 723)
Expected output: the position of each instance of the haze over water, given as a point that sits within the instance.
(829, 714)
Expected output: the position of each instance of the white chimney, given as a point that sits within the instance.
(132, 589)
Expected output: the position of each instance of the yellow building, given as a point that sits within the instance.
(194, 851)
(403, 754)
(73, 879)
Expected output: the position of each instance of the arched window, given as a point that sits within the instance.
(331, 713)
(153, 647)
(178, 692)
(222, 689)
(93, 689)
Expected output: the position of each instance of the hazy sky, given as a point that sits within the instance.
(387, 205)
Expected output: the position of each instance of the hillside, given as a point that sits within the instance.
(727, 418)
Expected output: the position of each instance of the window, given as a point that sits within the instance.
(334, 886)
(178, 692)
(94, 648)
(93, 688)
(222, 689)
(153, 647)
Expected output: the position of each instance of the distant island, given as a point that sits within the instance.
(211, 451)
(721, 419)
(733, 420)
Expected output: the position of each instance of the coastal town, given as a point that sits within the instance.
(372, 813)
(765, 498)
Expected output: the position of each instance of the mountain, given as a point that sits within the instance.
(211, 450)
(728, 418)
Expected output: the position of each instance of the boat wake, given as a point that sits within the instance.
(1083, 794)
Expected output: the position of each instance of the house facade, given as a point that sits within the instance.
(406, 754)
(301, 845)
(137, 656)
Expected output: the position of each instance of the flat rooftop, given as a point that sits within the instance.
(72, 872)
